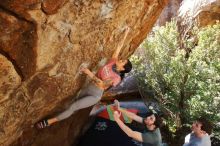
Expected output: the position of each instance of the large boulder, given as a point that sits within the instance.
(204, 12)
(127, 90)
(42, 45)
(169, 12)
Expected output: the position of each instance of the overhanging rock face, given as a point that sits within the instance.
(127, 88)
(42, 45)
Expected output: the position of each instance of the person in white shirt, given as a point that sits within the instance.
(201, 129)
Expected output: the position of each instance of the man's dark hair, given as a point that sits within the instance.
(158, 119)
(127, 67)
(207, 126)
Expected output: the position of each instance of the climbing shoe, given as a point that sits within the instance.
(42, 124)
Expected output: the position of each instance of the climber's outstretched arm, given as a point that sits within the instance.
(101, 84)
(120, 45)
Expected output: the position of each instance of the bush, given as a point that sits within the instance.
(181, 72)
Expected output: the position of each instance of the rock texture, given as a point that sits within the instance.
(42, 45)
(128, 88)
(169, 12)
(209, 14)
(205, 12)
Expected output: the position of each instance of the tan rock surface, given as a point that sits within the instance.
(9, 79)
(46, 42)
(210, 14)
(205, 12)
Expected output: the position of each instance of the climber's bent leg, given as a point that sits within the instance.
(93, 96)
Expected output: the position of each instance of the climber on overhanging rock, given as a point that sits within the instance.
(109, 75)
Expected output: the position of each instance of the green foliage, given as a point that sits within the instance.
(182, 73)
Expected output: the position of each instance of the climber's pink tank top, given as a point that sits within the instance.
(106, 73)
